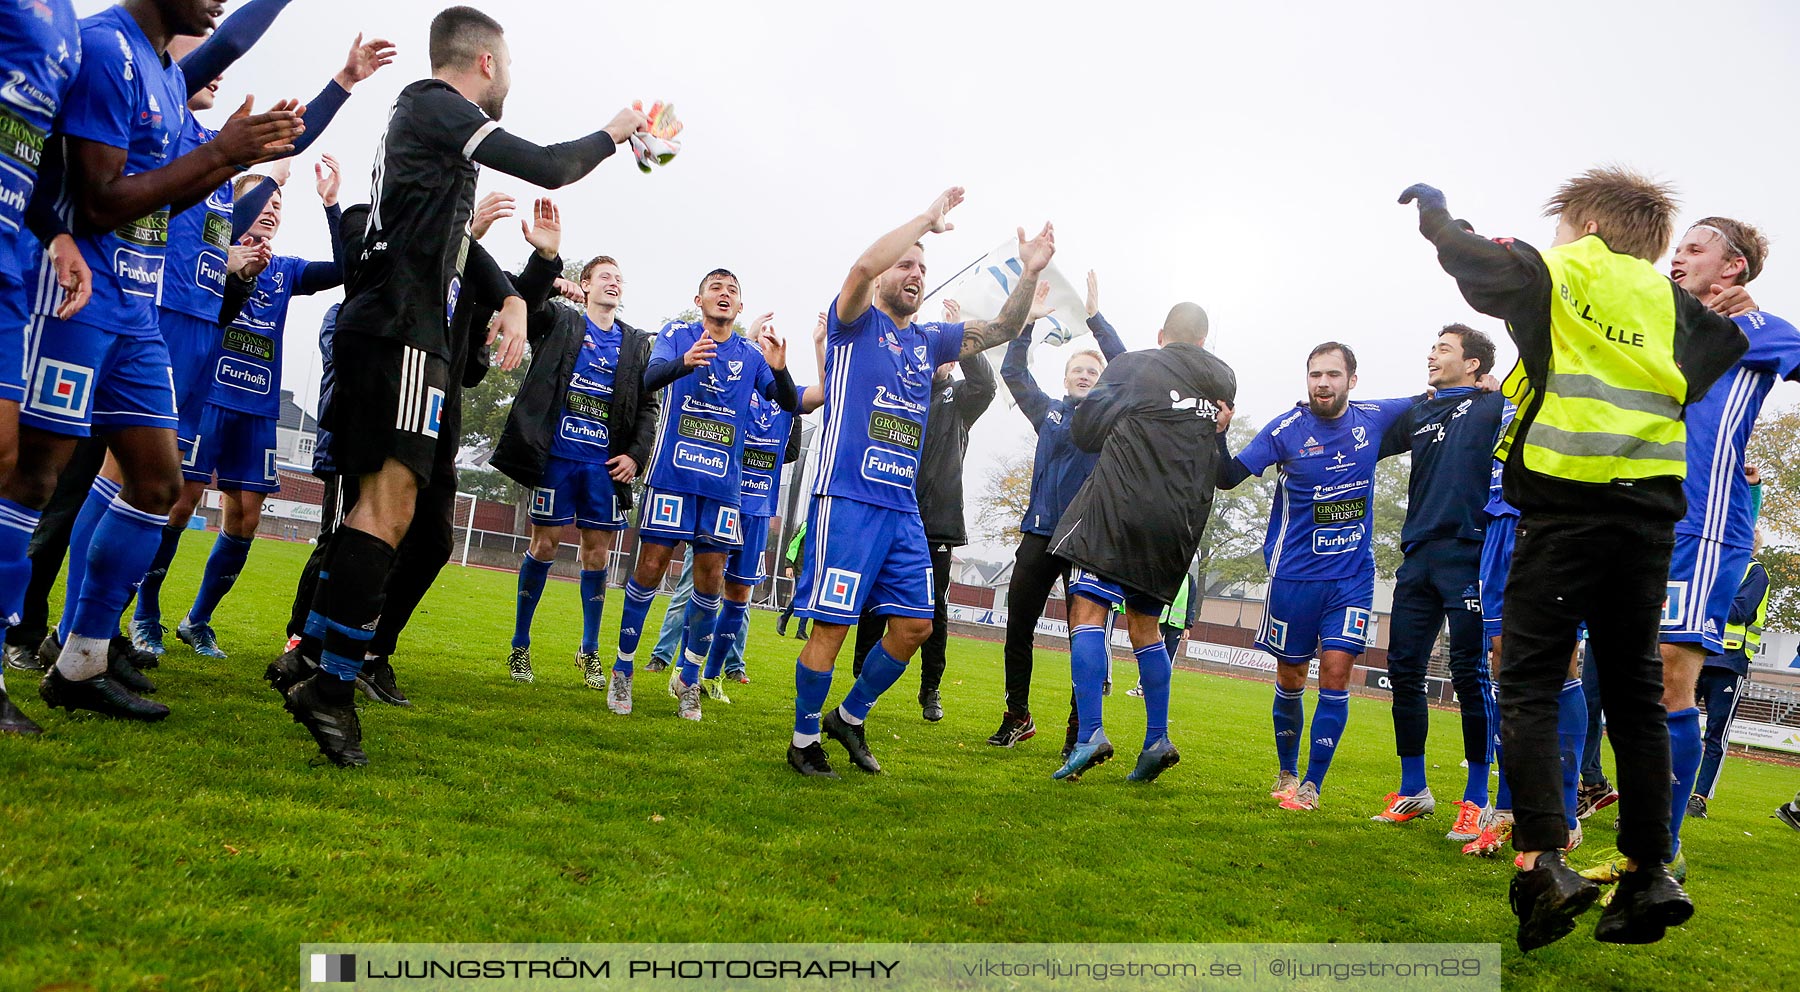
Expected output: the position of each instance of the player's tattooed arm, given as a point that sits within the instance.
(858, 291)
(1034, 256)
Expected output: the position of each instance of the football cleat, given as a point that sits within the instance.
(1094, 753)
(13, 721)
(1156, 758)
(853, 737)
(594, 671)
(810, 761)
(334, 726)
(1286, 785)
(931, 703)
(1574, 837)
(1136, 691)
(101, 695)
(1591, 799)
(1613, 866)
(20, 658)
(120, 647)
(518, 665)
(1400, 809)
(715, 689)
(121, 672)
(289, 670)
(1468, 822)
(1789, 813)
(1697, 806)
(618, 693)
(1305, 797)
(147, 636)
(1646, 904)
(201, 638)
(1013, 730)
(377, 682)
(48, 650)
(688, 700)
(1496, 830)
(1547, 899)
(656, 664)
(675, 682)
(740, 676)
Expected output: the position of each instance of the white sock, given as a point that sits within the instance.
(847, 718)
(83, 658)
(805, 740)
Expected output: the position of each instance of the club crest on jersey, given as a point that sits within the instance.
(543, 502)
(919, 353)
(665, 510)
(1360, 435)
(62, 388)
(839, 589)
(1675, 605)
(737, 371)
(1356, 624)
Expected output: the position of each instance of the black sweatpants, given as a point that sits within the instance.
(1438, 582)
(871, 627)
(50, 541)
(1612, 573)
(1035, 571)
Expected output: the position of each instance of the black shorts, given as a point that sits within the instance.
(388, 402)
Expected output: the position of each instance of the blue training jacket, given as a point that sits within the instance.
(1059, 468)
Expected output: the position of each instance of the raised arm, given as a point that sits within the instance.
(1034, 256)
(976, 390)
(1015, 368)
(1111, 345)
(858, 291)
(552, 166)
(240, 32)
(320, 276)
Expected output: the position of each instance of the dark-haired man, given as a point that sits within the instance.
(393, 345)
(1450, 436)
(1320, 554)
(579, 430)
(695, 490)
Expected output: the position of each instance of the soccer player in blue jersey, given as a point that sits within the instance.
(770, 441)
(1714, 539)
(1321, 556)
(695, 488)
(195, 287)
(580, 429)
(235, 439)
(40, 52)
(108, 369)
(867, 543)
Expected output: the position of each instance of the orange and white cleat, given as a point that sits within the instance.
(1495, 833)
(1468, 822)
(1306, 797)
(1286, 784)
(1400, 809)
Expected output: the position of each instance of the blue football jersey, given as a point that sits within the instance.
(766, 431)
(1321, 520)
(125, 96)
(40, 55)
(584, 432)
(1497, 506)
(700, 445)
(1718, 432)
(877, 393)
(247, 361)
(199, 237)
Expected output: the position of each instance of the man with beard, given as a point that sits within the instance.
(868, 545)
(393, 344)
(1321, 558)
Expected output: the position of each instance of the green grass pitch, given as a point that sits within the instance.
(199, 853)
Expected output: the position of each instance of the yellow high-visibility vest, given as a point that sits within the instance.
(1612, 406)
(1748, 636)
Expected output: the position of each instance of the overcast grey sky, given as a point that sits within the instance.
(1246, 157)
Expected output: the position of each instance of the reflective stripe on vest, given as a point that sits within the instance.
(1612, 406)
(1748, 636)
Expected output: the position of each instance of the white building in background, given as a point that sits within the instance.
(296, 434)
